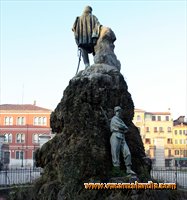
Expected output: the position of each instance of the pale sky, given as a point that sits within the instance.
(39, 54)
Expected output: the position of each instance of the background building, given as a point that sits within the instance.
(180, 141)
(165, 140)
(21, 126)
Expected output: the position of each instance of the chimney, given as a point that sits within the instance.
(34, 102)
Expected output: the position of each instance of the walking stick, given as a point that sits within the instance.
(79, 51)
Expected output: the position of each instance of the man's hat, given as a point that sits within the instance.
(117, 108)
(88, 9)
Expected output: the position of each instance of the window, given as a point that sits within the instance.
(44, 121)
(153, 118)
(176, 152)
(175, 132)
(20, 155)
(40, 121)
(161, 129)
(176, 141)
(169, 129)
(159, 118)
(184, 132)
(138, 118)
(169, 141)
(8, 138)
(20, 138)
(21, 121)
(180, 132)
(35, 138)
(17, 154)
(155, 129)
(147, 129)
(180, 141)
(8, 120)
(168, 162)
(147, 141)
(36, 121)
(167, 118)
(6, 157)
(169, 152)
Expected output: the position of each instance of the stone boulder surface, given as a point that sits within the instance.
(104, 49)
(81, 152)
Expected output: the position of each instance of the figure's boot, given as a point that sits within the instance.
(87, 65)
(128, 170)
(116, 171)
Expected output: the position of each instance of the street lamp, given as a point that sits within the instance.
(33, 156)
(1, 148)
(22, 156)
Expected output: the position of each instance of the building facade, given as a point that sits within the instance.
(165, 140)
(21, 126)
(180, 141)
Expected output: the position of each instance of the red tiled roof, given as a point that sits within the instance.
(159, 113)
(138, 110)
(22, 107)
(152, 113)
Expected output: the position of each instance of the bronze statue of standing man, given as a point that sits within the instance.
(86, 29)
(118, 142)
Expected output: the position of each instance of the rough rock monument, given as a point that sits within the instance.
(80, 151)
